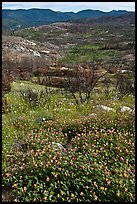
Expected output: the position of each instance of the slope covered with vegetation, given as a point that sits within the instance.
(68, 114)
(98, 163)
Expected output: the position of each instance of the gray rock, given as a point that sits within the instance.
(104, 108)
(125, 109)
(58, 147)
(92, 115)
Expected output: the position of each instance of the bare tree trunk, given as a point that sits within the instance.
(84, 83)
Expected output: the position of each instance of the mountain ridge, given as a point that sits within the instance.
(11, 19)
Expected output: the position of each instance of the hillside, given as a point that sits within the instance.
(68, 107)
(111, 39)
(21, 18)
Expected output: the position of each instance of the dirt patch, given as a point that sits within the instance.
(7, 194)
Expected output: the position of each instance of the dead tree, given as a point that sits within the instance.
(84, 81)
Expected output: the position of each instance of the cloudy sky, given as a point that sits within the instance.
(71, 6)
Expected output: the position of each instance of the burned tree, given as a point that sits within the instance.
(84, 80)
(6, 88)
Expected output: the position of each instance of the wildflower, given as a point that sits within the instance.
(95, 197)
(81, 193)
(43, 151)
(47, 179)
(125, 175)
(54, 158)
(118, 193)
(41, 163)
(38, 150)
(128, 170)
(108, 181)
(103, 189)
(16, 200)
(35, 165)
(21, 167)
(66, 173)
(45, 198)
(58, 153)
(127, 151)
(71, 162)
(83, 167)
(15, 185)
(126, 189)
(45, 191)
(24, 189)
(56, 175)
(8, 174)
(35, 185)
(121, 158)
(95, 184)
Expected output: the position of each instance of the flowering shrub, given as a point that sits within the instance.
(96, 164)
(99, 166)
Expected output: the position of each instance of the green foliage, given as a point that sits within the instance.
(99, 161)
(34, 98)
(97, 168)
(35, 17)
(98, 164)
(80, 54)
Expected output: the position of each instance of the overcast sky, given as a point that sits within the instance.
(71, 6)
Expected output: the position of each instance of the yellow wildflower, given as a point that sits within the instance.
(103, 189)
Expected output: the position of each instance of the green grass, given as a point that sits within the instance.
(88, 53)
(29, 34)
(100, 166)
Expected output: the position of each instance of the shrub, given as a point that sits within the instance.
(6, 81)
(6, 88)
(97, 167)
(34, 98)
(5, 105)
(124, 86)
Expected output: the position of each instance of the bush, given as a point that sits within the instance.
(124, 86)
(6, 81)
(97, 167)
(6, 88)
(5, 106)
(34, 98)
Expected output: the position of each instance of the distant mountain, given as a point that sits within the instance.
(115, 20)
(21, 18)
